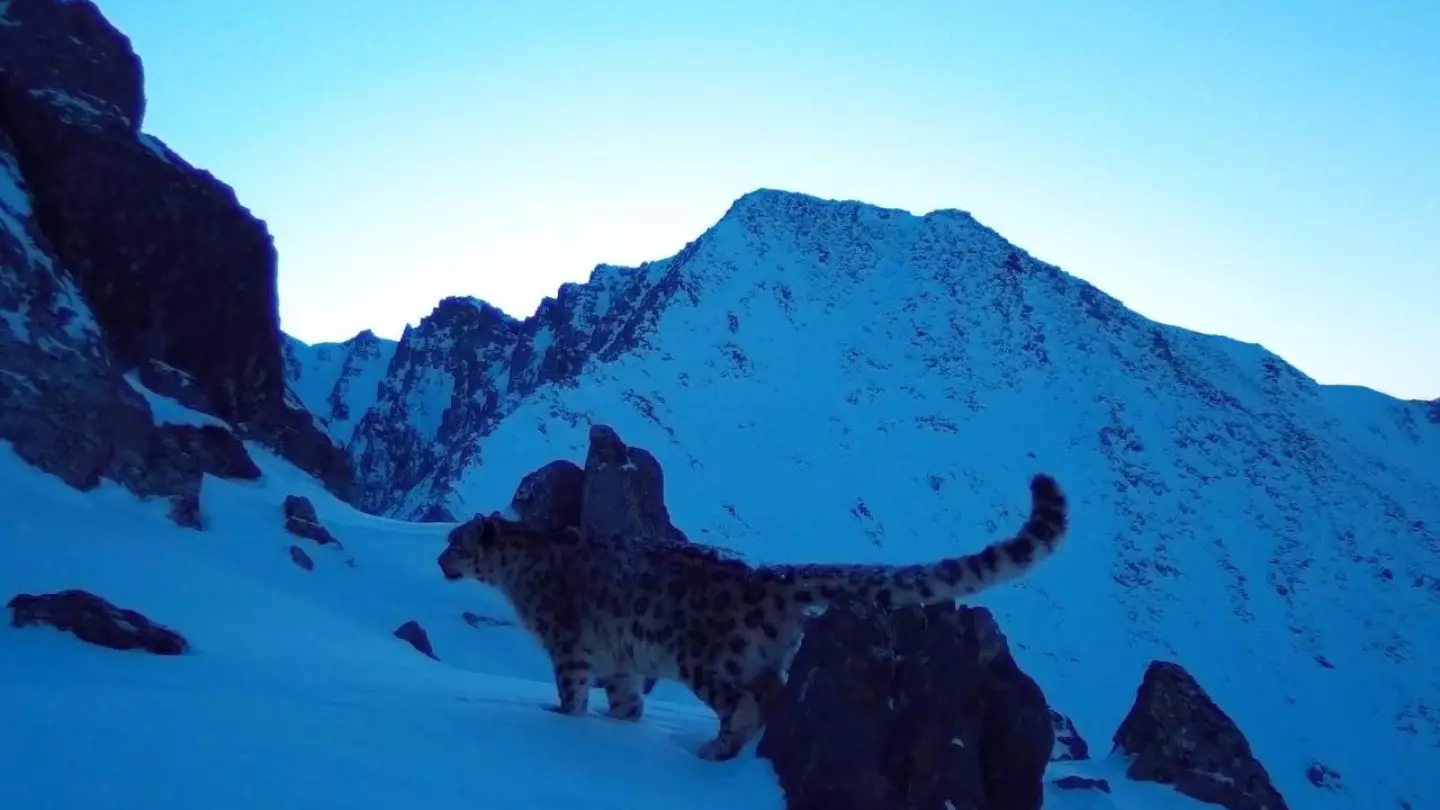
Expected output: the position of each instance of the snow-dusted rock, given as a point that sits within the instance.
(1175, 734)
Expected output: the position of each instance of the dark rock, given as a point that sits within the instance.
(1323, 776)
(914, 708)
(130, 221)
(477, 621)
(94, 619)
(551, 497)
(300, 558)
(185, 510)
(413, 633)
(624, 490)
(1082, 783)
(1176, 735)
(1069, 745)
(301, 520)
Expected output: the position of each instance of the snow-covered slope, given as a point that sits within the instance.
(338, 382)
(295, 693)
(834, 381)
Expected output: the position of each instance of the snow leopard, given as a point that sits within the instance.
(618, 612)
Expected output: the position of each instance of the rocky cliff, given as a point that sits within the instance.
(117, 256)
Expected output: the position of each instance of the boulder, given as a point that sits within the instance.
(301, 521)
(412, 633)
(300, 558)
(1069, 745)
(1175, 734)
(95, 620)
(915, 708)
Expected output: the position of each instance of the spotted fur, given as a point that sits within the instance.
(617, 613)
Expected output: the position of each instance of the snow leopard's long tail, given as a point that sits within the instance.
(944, 580)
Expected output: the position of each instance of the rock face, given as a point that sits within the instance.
(922, 709)
(95, 620)
(1178, 736)
(468, 365)
(102, 231)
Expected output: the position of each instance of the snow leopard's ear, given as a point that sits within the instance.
(489, 531)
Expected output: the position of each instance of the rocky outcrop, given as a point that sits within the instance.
(915, 708)
(1069, 745)
(1175, 734)
(444, 391)
(96, 620)
(413, 634)
(301, 521)
(338, 382)
(620, 491)
(624, 490)
(113, 228)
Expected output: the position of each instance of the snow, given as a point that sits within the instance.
(296, 694)
(167, 411)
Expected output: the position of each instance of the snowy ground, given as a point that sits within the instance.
(297, 695)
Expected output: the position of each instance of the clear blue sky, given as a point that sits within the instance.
(1267, 170)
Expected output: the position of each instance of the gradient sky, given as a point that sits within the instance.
(1268, 171)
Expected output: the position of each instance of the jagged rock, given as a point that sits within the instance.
(93, 619)
(552, 496)
(1176, 735)
(912, 708)
(300, 558)
(301, 521)
(126, 221)
(1069, 745)
(624, 490)
(494, 361)
(416, 636)
(1082, 783)
(1323, 776)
